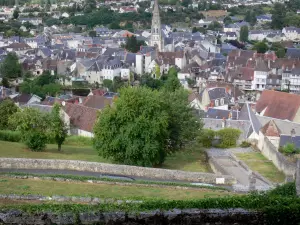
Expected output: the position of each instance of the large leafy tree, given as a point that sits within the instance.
(33, 125)
(7, 109)
(144, 126)
(133, 131)
(279, 49)
(132, 44)
(58, 128)
(10, 67)
(278, 16)
(261, 47)
(244, 33)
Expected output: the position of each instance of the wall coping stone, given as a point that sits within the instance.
(114, 169)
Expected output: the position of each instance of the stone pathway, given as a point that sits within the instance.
(228, 164)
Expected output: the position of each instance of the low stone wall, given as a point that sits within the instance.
(104, 168)
(278, 159)
(175, 216)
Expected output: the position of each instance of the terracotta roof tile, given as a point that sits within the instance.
(278, 105)
(271, 129)
(81, 117)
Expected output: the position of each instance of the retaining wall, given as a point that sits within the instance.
(278, 159)
(175, 216)
(104, 168)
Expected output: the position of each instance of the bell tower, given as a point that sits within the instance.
(156, 38)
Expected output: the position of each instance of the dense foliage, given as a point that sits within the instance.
(7, 108)
(10, 67)
(132, 44)
(144, 126)
(58, 128)
(244, 34)
(228, 137)
(33, 126)
(43, 85)
(289, 149)
(12, 136)
(206, 137)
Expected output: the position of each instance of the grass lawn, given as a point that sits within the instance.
(188, 160)
(257, 162)
(49, 188)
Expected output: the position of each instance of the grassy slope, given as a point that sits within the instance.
(188, 160)
(257, 162)
(49, 188)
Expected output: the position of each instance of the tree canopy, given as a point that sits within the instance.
(278, 16)
(7, 109)
(10, 67)
(132, 44)
(244, 33)
(144, 126)
(261, 47)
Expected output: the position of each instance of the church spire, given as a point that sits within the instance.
(156, 38)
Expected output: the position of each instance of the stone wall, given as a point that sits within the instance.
(298, 178)
(157, 217)
(278, 159)
(112, 169)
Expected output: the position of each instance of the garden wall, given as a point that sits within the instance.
(157, 217)
(112, 169)
(278, 159)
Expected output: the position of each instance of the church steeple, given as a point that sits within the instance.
(156, 38)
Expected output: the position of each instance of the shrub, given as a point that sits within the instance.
(289, 149)
(228, 137)
(8, 135)
(245, 144)
(36, 141)
(206, 137)
(286, 190)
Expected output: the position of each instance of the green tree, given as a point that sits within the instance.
(10, 67)
(261, 47)
(144, 126)
(58, 128)
(5, 82)
(214, 26)
(157, 71)
(117, 83)
(172, 84)
(16, 13)
(132, 44)
(278, 16)
(191, 82)
(148, 81)
(114, 26)
(92, 33)
(250, 17)
(133, 131)
(244, 33)
(108, 84)
(227, 20)
(7, 109)
(279, 49)
(194, 30)
(33, 125)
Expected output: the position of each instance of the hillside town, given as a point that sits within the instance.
(126, 102)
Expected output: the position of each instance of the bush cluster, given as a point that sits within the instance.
(289, 149)
(227, 136)
(245, 144)
(8, 135)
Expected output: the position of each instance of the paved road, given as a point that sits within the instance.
(225, 159)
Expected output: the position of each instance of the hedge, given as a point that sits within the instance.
(8, 135)
(228, 137)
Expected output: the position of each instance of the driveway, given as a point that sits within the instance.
(226, 163)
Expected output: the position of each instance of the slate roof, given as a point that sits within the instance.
(247, 113)
(274, 102)
(40, 107)
(81, 117)
(293, 53)
(285, 139)
(220, 114)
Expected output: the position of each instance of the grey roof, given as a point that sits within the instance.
(284, 125)
(215, 113)
(216, 124)
(41, 108)
(293, 53)
(285, 139)
(218, 92)
(248, 114)
(113, 51)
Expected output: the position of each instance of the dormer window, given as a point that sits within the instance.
(222, 101)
